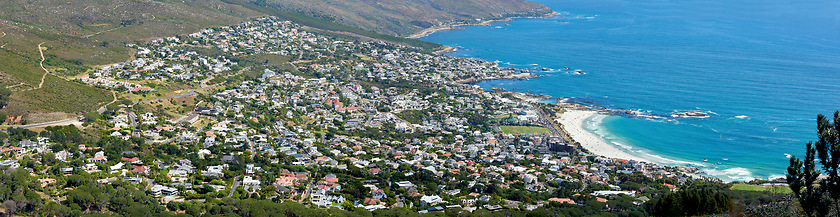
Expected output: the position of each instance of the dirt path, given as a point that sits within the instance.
(41, 50)
(12, 86)
(103, 108)
(41, 84)
(4, 35)
(46, 72)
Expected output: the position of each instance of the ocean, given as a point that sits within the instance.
(762, 70)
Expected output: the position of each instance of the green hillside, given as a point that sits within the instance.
(77, 36)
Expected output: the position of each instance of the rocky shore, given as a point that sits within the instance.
(518, 76)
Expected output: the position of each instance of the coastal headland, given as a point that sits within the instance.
(444, 27)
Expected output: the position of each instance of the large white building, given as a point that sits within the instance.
(159, 190)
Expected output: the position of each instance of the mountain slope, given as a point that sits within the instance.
(403, 18)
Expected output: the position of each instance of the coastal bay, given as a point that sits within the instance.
(757, 87)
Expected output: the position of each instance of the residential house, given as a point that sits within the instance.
(430, 200)
(213, 171)
(378, 194)
(158, 190)
(250, 181)
(140, 169)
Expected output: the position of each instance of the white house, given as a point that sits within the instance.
(430, 200)
(159, 190)
(405, 184)
(248, 180)
(117, 166)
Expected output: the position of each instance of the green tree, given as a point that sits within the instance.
(691, 202)
(802, 174)
(92, 116)
(347, 205)
(828, 149)
(818, 200)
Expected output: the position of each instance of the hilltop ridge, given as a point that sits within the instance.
(404, 18)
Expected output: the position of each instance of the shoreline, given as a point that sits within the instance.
(577, 112)
(572, 121)
(431, 30)
(516, 76)
(446, 49)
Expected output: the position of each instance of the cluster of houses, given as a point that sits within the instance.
(348, 98)
(114, 84)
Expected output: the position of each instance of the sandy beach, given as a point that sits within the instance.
(429, 31)
(434, 29)
(572, 121)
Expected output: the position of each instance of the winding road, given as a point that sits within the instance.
(52, 123)
(309, 186)
(233, 188)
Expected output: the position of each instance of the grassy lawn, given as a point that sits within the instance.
(169, 108)
(202, 122)
(777, 188)
(364, 57)
(523, 129)
(163, 90)
(139, 97)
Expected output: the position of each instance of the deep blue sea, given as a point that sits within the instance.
(762, 70)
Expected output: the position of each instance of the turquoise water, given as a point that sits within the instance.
(762, 70)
